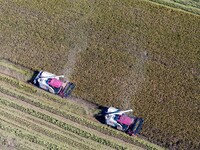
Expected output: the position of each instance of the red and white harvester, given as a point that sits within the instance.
(119, 120)
(53, 83)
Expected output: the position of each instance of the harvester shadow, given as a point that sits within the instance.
(101, 115)
(35, 73)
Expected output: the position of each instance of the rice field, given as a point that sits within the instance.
(128, 54)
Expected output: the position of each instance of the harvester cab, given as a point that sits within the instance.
(119, 120)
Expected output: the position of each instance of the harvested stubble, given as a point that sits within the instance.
(64, 139)
(63, 125)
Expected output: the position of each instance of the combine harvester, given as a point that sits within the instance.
(53, 83)
(119, 120)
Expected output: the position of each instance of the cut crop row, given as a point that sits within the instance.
(35, 121)
(62, 125)
(24, 135)
(69, 134)
(39, 102)
(101, 128)
(46, 124)
(188, 5)
(39, 129)
(33, 126)
(17, 83)
(17, 144)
